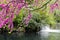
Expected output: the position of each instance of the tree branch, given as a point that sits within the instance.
(42, 6)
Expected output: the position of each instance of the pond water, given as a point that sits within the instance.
(31, 36)
(45, 34)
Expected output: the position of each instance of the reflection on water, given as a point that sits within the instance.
(45, 34)
(32, 36)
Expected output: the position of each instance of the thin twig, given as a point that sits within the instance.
(42, 6)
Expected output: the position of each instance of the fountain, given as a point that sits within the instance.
(48, 29)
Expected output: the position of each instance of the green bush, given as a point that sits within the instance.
(57, 16)
(18, 19)
(42, 18)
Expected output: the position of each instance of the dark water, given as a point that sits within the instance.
(31, 36)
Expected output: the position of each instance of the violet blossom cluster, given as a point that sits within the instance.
(8, 11)
(53, 6)
(27, 19)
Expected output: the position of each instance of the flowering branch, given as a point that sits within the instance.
(7, 13)
(42, 6)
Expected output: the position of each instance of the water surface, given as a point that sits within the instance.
(32, 36)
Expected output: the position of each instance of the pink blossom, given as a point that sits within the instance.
(10, 12)
(2, 5)
(53, 7)
(28, 18)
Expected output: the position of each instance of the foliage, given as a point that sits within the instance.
(18, 19)
(57, 16)
(27, 13)
(40, 17)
